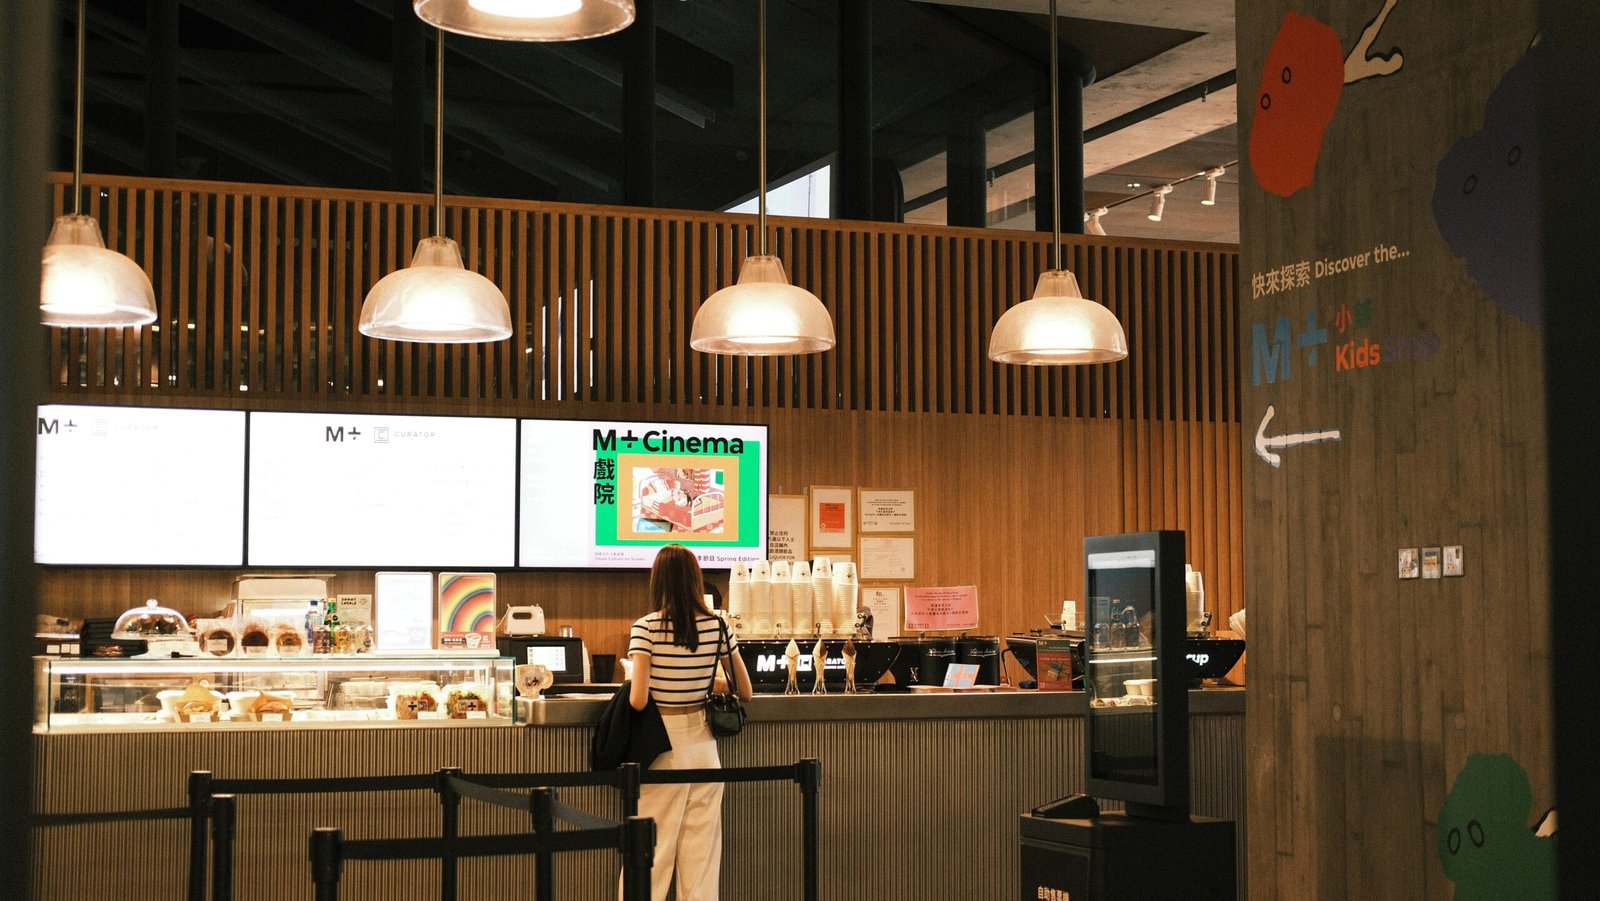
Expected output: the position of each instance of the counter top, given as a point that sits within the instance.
(584, 710)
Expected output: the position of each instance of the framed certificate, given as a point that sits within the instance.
(830, 518)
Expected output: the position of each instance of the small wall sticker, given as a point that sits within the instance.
(1430, 563)
(1454, 565)
(1410, 568)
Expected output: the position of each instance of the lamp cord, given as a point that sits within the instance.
(761, 116)
(1055, 136)
(438, 137)
(77, 134)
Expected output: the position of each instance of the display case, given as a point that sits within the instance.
(1135, 674)
(456, 688)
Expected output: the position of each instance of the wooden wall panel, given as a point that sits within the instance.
(1013, 465)
(1369, 692)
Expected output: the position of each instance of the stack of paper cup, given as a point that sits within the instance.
(846, 595)
(761, 599)
(780, 598)
(822, 595)
(738, 597)
(800, 619)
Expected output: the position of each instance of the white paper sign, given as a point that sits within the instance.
(404, 611)
(786, 527)
(888, 511)
(885, 606)
(888, 558)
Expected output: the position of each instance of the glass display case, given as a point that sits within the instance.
(1135, 673)
(456, 688)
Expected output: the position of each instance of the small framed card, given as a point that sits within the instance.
(1410, 564)
(1431, 568)
(1454, 565)
(961, 675)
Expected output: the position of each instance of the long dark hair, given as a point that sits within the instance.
(677, 589)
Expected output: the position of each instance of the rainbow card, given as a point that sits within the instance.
(466, 611)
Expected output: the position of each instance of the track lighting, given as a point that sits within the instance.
(1092, 220)
(1211, 185)
(1158, 202)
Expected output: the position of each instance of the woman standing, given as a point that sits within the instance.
(674, 650)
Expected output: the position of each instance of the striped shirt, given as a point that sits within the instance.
(678, 676)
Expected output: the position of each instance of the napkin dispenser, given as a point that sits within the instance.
(527, 620)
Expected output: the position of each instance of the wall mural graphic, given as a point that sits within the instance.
(1485, 843)
(1486, 195)
(1304, 74)
(1265, 445)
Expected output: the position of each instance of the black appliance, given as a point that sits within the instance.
(563, 655)
(769, 668)
(1205, 658)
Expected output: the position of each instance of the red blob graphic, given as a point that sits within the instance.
(1300, 85)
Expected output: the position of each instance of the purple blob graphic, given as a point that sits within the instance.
(1486, 196)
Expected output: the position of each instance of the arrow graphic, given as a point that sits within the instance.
(1264, 445)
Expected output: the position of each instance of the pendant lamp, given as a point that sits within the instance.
(1058, 326)
(436, 299)
(762, 314)
(83, 283)
(528, 20)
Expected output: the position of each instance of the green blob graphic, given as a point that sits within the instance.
(1485, 843)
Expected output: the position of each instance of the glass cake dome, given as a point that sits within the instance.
(152, 622)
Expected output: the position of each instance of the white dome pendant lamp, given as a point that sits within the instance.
(436, 299)
(762, 314)
(84, 284)
(528, 20)
(1058, 326)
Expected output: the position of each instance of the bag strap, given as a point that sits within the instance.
(722, 640)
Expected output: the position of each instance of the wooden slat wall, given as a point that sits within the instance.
(1013, 466)
(259, 289)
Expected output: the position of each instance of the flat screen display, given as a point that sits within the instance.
(341, 489)
(1121, 666)
(140, 486)
(607, 495)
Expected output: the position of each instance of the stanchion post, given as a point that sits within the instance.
(638, 854)
(808, 773)
(327, 859)
(199, 813)
(223, 815)
(629, 774)
(450, 815)
(541, 804)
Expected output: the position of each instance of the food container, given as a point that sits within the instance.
(217, 637)
(261, 706)
(466, 701)
(415, 700)
(196, 703)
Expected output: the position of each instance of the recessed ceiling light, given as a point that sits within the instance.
(1134, 184)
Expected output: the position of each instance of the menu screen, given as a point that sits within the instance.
(339, 489)
(610, 494)
(142, 486)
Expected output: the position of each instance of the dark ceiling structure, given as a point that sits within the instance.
(338, 93)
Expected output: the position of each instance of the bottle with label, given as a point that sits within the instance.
(330, 625)
(313, 622)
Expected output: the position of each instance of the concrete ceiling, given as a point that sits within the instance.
(303, 93)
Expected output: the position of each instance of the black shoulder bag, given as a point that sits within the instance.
(723, 711)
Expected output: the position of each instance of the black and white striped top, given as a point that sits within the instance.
(678, 676)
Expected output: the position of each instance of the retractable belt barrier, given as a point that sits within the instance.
(212, 801)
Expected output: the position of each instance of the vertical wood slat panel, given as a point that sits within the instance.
(913, 307)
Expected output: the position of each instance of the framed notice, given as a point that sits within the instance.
(466, 611)
(403, 608)
(830, 518)
(786, 527)
(888, 559)
(884, 602)
(888, 510)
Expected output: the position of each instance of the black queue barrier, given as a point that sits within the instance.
(635, 839)
(452, 785)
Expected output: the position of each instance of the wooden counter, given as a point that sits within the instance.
(920, 797)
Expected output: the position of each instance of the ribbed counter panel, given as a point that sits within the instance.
(920, 798)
